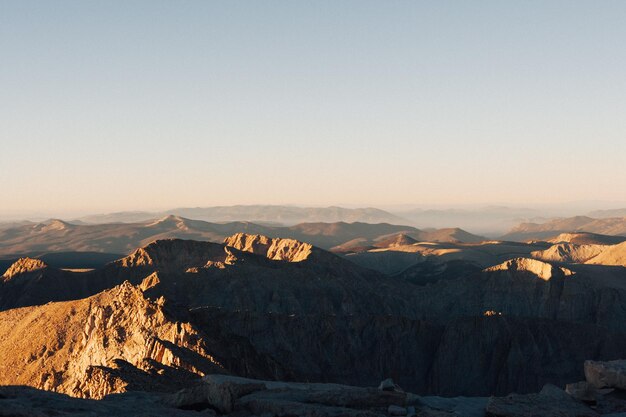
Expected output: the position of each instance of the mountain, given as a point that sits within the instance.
(285, 215)
(454, 235)
(111, 342)
(59, 236)
(583, 238)
(569, 253)
(277, 279)
(269, 308)
(615, 226)
(10, 225)
(23, 266)
(603, 214)
(395, 259)
(490, 221)
(611, 255)
(276, 249)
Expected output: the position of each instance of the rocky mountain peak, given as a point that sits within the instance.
(53, 225)
(171, 220)
(22, 266)
(400, 239)
(175, 254)
(276, 249)
(542, 270)
(116, 340)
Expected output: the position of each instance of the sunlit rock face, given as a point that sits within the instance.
(611, 255)
(276, 249)
(23, 266)
(111, 342)
(569, 253)
(542, 270)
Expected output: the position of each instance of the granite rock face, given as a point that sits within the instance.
(611, 374)
(112, 342)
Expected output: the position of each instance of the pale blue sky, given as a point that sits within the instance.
(143, 105)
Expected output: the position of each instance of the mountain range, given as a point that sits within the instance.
(255, 306)
(274, 214)
(539, 231)
(121, 238)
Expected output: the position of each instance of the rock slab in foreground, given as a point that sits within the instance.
(550, 402)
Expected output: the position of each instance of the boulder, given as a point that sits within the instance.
(582, 391)
(220, 396)
(610, 374)
(387, 385)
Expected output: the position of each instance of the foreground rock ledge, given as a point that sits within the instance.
(550, 402)
(227, 395)
(241, 397)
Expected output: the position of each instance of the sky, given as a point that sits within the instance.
(132, 105)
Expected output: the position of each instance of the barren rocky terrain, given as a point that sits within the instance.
(443, 319)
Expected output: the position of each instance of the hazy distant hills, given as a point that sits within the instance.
(9, 225)
(492, 220)
(615, 226)
(601, 214)
(121, 238)
(284, 215)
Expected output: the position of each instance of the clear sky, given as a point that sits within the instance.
(116, 105)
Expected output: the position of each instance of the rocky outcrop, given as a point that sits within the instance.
(611, 374)
(23, 266)
(542, 270)
(176, 255)
(610, 255)
(289, 250)
(245, 397)
(400, 239)
(107, 343)
(569, 253)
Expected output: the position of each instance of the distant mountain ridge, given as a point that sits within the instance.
(601, 214)
(274, 214)
(615, 226)
(121, 238)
